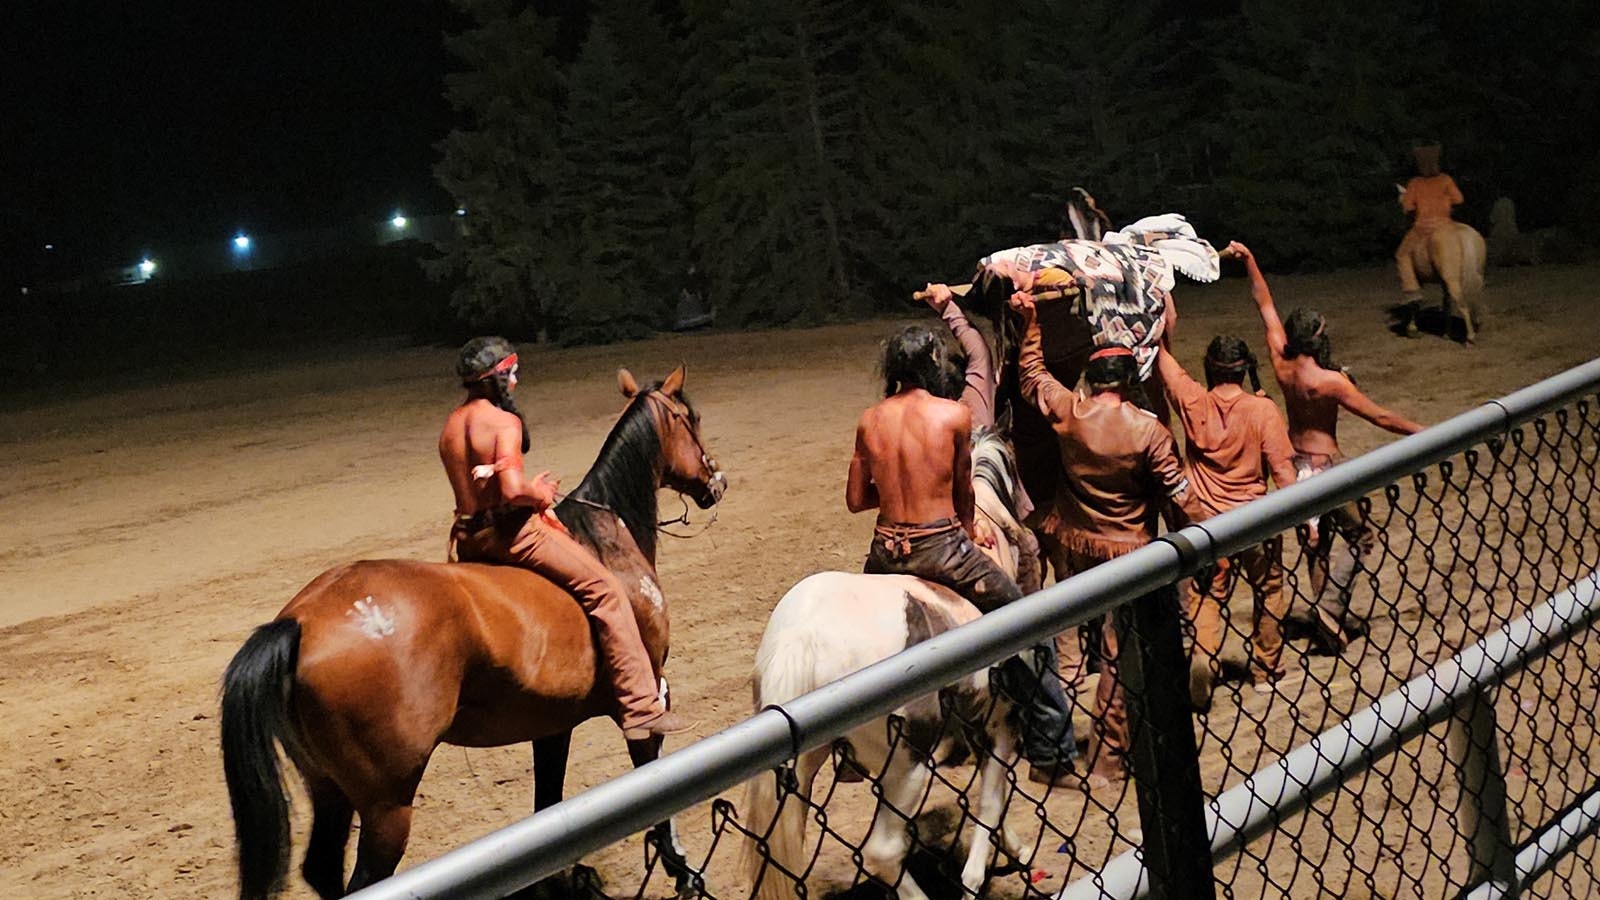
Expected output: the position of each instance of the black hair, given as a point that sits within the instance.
(1306, 335)
(1228, 361)
(475, 366)
(917, 357)
(1118, 373)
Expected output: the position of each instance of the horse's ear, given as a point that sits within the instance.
(674, 382)
(626, 382)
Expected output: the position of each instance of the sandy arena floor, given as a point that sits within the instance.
(148, 530)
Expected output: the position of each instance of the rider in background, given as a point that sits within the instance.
(1233, 438)
(1429, 196)
(502, 516)
(1314, 390)
(1121, 471)
(913, 463)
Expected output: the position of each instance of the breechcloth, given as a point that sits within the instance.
(1345, 519)
(942, 553)
(516, 536)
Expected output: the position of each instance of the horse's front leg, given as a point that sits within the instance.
(550, 769)
(664, 835)
(989, 828)
(905, 783)
(549, 781)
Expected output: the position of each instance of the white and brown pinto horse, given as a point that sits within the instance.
(375, 663)
(834, 623)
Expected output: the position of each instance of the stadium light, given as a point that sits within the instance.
(399, 222)
(241, 243)
(461, 210)
(147, 267)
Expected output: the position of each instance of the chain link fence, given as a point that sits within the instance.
(1387, 688)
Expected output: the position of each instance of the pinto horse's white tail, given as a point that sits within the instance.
(785, 669)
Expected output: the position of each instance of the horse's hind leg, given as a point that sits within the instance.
(330, 831)
(1447, 261)
(905, 782)
(385, 829)
(989, 827)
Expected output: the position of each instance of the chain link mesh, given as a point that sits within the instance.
(1445, 557)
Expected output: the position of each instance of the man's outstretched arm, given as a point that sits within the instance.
(1276, 338)
(1351, 398)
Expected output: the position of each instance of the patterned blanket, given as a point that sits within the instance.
(1124, 282)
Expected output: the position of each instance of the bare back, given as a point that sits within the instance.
(1312, 397)
(479, 433)
(912, 460)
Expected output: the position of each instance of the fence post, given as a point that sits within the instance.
(1164, 758)
(1473, 747)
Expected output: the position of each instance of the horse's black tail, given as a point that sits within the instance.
(255, 716)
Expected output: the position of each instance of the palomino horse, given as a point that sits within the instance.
(835, 623)
(375, 663)
(1454, 255)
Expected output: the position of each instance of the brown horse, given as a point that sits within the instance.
(1453, 255)
(375, 663)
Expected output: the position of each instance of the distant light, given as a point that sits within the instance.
(49, 246)
(399, 221)
(24, 290)
(461, 210)
(147, 267)
(241, 243)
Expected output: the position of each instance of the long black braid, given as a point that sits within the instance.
(1228, 361)
(476, 367)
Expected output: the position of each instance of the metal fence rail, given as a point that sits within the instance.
(1499, 516)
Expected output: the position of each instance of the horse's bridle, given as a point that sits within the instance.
(682, 417)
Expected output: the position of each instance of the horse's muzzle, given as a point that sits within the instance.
(714, 489)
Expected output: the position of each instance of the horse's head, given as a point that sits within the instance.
(686, 466)
(1082, 217)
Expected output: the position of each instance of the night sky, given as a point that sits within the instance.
(130, 124)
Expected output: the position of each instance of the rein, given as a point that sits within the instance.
(661, 526)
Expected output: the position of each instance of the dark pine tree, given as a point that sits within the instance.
(498, 166)
(772, 108)
(623, 241)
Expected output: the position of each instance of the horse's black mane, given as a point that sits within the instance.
(1001, 475)
(623, 479)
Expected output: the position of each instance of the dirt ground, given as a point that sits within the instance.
(147, 530)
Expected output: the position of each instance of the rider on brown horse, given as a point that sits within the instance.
(502, 516)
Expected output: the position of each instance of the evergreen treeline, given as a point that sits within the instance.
(818, 159)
